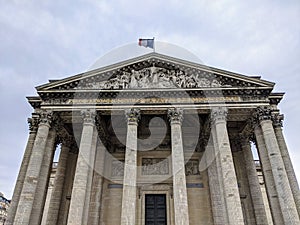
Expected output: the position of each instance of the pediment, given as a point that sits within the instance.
(155, 71)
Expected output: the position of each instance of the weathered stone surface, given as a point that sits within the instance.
(26, 200)
(178, 169)
(77, 212)
(286, 200)
(129, 198)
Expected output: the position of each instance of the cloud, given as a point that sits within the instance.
(46, 39)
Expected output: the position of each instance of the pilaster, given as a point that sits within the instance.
(178, 168)
(128, 215)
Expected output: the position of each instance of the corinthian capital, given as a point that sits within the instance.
(46, 117)
(175, 115)
(88, 115)
(33, 122)
(277, 119)
(218, 114)
(263, 113)
(132, 115)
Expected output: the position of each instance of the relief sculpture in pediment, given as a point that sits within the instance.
(154, 77)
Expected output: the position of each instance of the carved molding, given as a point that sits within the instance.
(175, 115)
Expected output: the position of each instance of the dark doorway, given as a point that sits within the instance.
(155, 209)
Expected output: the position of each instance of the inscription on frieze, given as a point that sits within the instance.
(155, 166)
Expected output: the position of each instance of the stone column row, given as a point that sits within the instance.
(271, 158)
(33, 125)
(277, 123)
(32, 192)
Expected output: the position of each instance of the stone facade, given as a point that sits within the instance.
(156, 140)
(4, 206)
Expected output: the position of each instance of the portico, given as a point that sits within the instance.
(156, 140)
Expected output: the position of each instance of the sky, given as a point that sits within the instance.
(42, 40)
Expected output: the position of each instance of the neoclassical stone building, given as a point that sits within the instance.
(156, 140)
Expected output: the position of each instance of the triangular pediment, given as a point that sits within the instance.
(155, 71)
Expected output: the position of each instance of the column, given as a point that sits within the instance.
(25, 205)
(96, 194)
(215, 186)
(77, 211)
(181, 210)
(277, 123)
(59, 181)
(268, 177)
(33, 125)
(128, 214)
(230, 187)
(255, 191)
(42, 186)
(286, 199)
(68, 186)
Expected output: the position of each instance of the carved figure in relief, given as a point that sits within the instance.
(133, 80)
(155, 77)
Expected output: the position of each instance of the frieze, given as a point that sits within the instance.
(155, 166)
(153, 100)
(153, 77)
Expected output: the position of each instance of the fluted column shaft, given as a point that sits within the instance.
(28, 192)
(42, 187)
(96, 194)
(59, 181)
(230, 187)
(255, 190)
(268, 177)
(181, 210)
(128, 215)
(33, 125)
(215, 185)
(77, 211)
(277, 123)
(286, 199)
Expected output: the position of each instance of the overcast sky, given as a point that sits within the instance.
(41, 40)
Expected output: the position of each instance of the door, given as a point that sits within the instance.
(155, 209)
